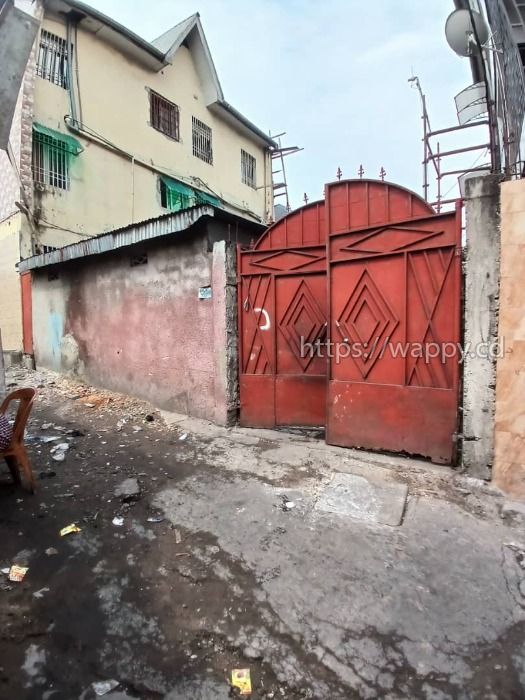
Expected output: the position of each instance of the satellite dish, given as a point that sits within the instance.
(460, 32)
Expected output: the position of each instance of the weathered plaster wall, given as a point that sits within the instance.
(481, 323)
(109, 190)
(141, 330)
(224, 287)
(509, 459)
(10, 300)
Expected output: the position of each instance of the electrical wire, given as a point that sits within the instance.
(91, 132)
(48, 224)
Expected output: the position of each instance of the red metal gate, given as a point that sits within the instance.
(374, 275)
(282, 306)
(394, 300)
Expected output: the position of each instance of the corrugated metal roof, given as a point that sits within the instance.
(119, 238)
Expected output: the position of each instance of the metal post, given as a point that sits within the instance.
(438, 166)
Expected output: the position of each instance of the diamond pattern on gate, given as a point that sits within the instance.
(366, 322)
(303, 319)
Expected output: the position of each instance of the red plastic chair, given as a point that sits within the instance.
(16, 455)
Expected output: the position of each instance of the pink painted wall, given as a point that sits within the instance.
(141, 330)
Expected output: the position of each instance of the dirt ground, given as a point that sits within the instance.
(160, 604)
(162, 628)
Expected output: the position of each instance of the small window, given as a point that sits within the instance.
(52, 61)
(248, 171)
(138, 259)
(201, 137)
(50, 160)
(164, 115)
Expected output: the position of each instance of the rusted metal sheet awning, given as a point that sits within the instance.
(120, 238)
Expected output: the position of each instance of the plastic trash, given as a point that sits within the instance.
(58, 452)
(241, 679)
(17, 573)
(69, 529)
(104, 687)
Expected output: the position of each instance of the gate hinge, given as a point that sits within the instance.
(458, 252)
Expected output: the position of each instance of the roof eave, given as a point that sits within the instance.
(222, 105)
(120, 238)
(135, 39)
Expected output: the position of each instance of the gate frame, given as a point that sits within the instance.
(400, 206)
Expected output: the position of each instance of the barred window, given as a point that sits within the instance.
(52, 61)
(50, 160)
(248, 169)
(164, 115)
(201, 137)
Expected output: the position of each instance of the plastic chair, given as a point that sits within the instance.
(16, 455)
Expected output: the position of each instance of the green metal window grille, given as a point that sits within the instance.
(177, 196)
(52, 153)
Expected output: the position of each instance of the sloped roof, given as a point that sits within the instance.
(190, 31)
(168, 224)
(159, 52)
(175, 35)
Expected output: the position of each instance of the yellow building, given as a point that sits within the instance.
(111, 129)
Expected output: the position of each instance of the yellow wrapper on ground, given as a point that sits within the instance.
(17, 573)
(241, 680)
(69, 529)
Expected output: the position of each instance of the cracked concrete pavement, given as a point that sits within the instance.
(329, 573)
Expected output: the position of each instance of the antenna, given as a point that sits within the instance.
(462, 28)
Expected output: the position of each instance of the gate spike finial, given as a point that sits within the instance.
(382, 174)
(361, 172)
(339, 173)
(305, 198)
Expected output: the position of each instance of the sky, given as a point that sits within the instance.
(333, 75)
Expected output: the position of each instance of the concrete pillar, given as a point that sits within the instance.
(481, 323)
(224, 299)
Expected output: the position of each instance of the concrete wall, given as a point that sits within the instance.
(110, 190)
(142, 330)
(481, 323)
(509, 459)
(10, 304)
(16, 186)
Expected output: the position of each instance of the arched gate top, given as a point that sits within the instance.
(348, 205)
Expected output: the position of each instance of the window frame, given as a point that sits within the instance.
(158, 116)
(53, 61)
(248, 162)
(50, 161)
(202, 140)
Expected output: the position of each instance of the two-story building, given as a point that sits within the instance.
(111, 130)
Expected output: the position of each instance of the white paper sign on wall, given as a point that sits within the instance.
(204, 292)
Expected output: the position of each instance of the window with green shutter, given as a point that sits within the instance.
(175, 195)
(52, 152)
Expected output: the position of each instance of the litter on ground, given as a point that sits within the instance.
(17, 573)
(69, 529)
